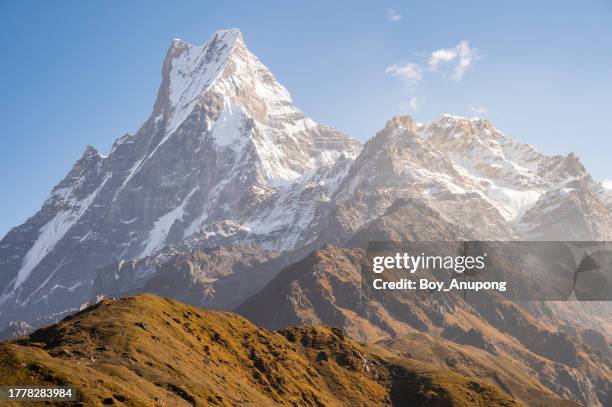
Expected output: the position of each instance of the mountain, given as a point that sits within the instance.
(476, 178)
(228, 197)
(225, 153)
(146, 350)
(325, 288)
(226, 159)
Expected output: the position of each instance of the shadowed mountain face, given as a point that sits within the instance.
(145, 350)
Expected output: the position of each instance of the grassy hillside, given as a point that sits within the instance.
(150, 351)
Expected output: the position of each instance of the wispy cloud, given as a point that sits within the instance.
(410, 72)
(449, 62)
(607, 184)
(458, 59)
(441, 56)
(414, 105)
(477, 109)
(393, 16)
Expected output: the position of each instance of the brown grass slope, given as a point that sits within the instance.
(150, 351)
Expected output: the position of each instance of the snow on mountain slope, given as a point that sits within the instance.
(469, 171)
(161, 228)
(242, 96)
(56, 228)
(505, 172)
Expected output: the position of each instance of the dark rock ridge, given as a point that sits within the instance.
(215, 277)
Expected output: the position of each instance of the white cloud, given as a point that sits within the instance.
(457, 59)
(410, 72)
(607, 184)
(448, 62)
(477, 109)
(440, 57)
(393, 16)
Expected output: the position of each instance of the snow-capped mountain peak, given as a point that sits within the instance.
(190, 70)
(455, 160)
(224, 145)
(226, 67)
(225, 90)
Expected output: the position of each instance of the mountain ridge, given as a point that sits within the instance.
(144, 350)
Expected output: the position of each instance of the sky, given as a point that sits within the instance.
(76, 73)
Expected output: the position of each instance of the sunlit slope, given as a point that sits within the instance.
(145, 350)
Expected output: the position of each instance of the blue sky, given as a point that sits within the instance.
(74, 73)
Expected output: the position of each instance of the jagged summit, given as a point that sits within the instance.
(226, 35)
(456, 160)
(189, 70)
(446, 122)
(89, 152)
(224, 67)
(404, 121)
(224, 90)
